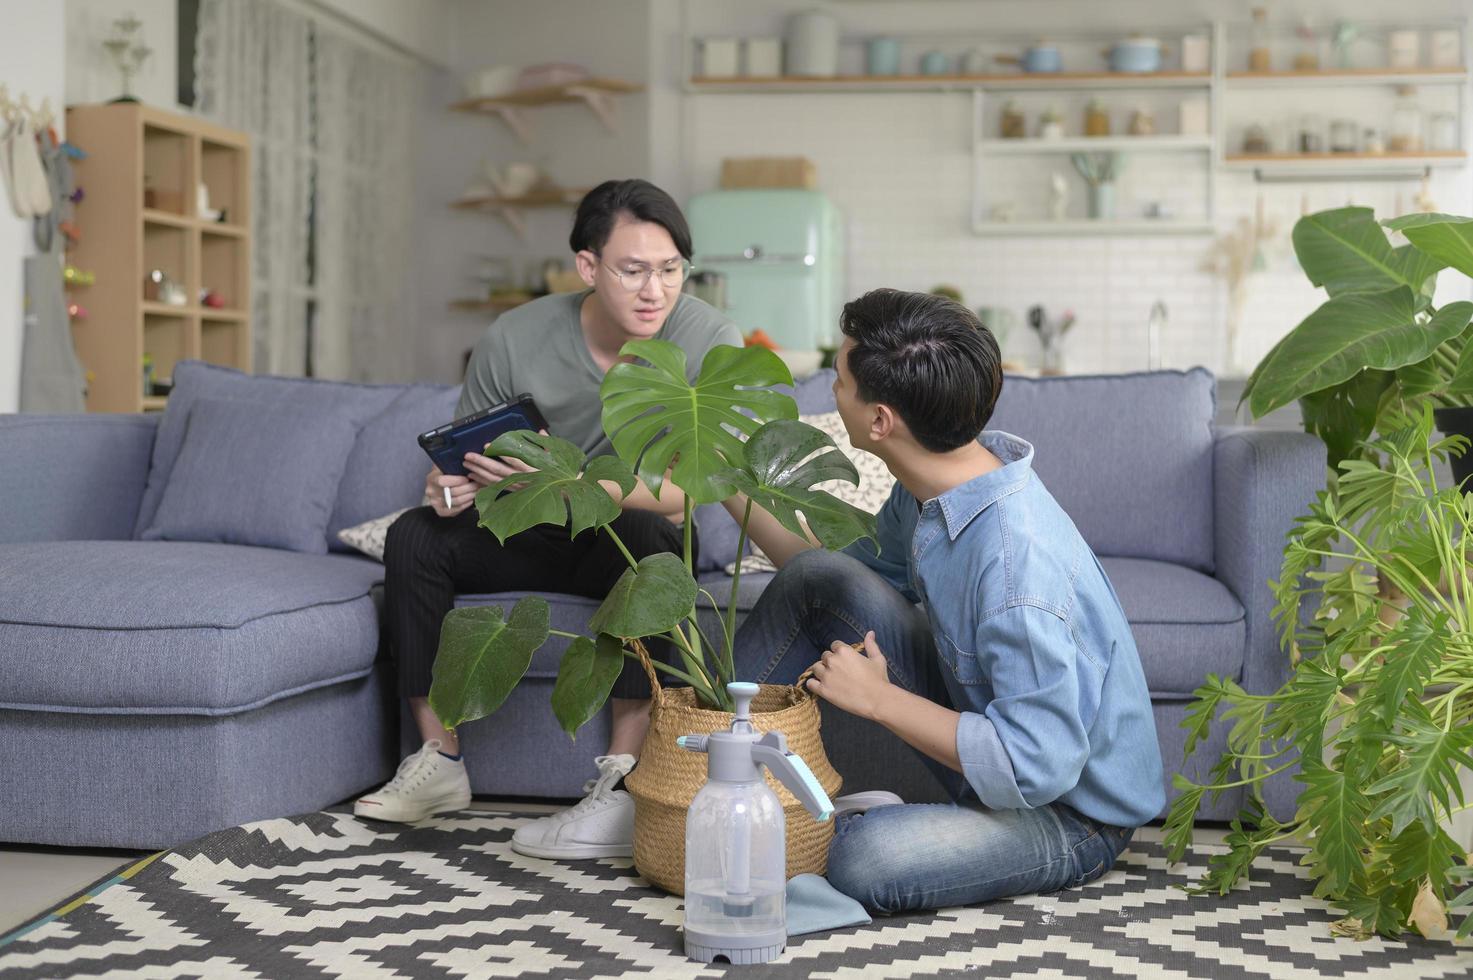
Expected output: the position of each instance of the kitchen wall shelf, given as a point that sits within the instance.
(1428, 158)
(596, 93)
(1096, 227)
(1086, 144)
(950, 83)
(509, 209)
(1348, 76)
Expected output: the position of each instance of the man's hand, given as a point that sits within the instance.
(853, 679)
(462, 492)
(486, 470)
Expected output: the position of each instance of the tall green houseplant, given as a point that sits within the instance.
(1374, 600)
(726, 433)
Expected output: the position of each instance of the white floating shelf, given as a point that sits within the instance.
(1075, 144)
(1139, 226)
(951, 83)
(1345, 77)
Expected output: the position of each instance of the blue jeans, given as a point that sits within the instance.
(917, 855)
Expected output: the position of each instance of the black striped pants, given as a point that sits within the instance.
(429, 560)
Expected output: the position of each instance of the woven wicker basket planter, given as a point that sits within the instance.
(668, 777)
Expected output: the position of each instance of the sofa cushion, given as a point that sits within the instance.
(1128, 456)
(255, 474)
(386, 469)
(194, 380)
(1186, 624)
(150, 627)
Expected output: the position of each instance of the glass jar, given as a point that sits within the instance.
(1343, 133)
(1096, 120)
(1406, 122)
(1373, 141)
(1014, 125)
(1310, 136)
(1259, 58)
(1255, 139)
(1442, 131)
(1307, 47)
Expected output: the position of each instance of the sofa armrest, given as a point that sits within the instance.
(73, 477)
(1262, 480)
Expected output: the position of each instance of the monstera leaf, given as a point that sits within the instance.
(1346, 251)
(648, 599)
(560, 492)
(780, 475)
(1349, 333)
(584, 679)
(656, 417)
(482, 656)
(1445, 237)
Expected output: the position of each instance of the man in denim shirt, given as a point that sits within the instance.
(983, 632)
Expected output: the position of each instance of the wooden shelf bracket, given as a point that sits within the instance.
(516, 121)
(600, 103)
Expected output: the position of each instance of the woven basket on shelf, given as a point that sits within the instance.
(668, 777)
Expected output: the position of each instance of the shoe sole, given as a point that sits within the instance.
(574, 852)
(444, 804)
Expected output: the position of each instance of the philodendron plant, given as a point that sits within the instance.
(1377, 345)
(1378, 714)
(727, 433)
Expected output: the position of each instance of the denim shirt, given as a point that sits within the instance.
(1037, 654)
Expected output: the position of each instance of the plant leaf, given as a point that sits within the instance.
(1201, 711)
(585, 677)
(1351, 332)
(1423, 787)
(1180, 818)
(785, 461)
(560, 492)
(1346, 251)
(1445, 237)
(656, 417)
(647, 600)
(1248, 835)
(1334, 808)
(1344, 415)
(482, 657)
(1417, 647)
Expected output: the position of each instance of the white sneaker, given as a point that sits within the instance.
(601, 825)
(426, 783)
(862, 802)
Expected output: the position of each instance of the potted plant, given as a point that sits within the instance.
(1373, 599)
(1378, 713)
(1377, 344)
(727, 433)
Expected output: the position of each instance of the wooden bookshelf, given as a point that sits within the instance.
(133, 152)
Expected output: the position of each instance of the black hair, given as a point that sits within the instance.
(600, 208)
(927, 357)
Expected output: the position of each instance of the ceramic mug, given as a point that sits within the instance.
(883, 56)
(933, 63)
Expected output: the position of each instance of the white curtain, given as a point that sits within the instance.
(330, 122)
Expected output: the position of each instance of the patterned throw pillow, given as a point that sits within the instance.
(875, 482)
(369, 536)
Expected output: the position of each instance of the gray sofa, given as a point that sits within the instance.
(184, 645)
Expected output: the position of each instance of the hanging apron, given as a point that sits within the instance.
(51, 378)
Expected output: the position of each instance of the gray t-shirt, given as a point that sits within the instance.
(538, 348)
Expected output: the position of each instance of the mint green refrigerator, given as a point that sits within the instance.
(782, 255)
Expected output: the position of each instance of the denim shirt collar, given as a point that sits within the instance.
(961, 504)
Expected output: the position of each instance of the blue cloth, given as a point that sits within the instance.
(814, 905)
(1040, 659)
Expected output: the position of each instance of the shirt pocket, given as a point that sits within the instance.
(964, 666)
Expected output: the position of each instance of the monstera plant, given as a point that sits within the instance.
(727, 433)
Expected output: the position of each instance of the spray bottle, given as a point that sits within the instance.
(735, 841)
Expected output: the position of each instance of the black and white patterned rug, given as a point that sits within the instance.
(327, 895)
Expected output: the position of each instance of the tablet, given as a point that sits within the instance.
(447, 445)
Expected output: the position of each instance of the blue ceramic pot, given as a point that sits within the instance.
(883, 56)
(1136, 55)
(1042, 57)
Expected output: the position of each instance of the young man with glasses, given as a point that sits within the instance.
(632, 247)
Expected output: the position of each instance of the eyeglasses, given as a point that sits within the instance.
(672, 275)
